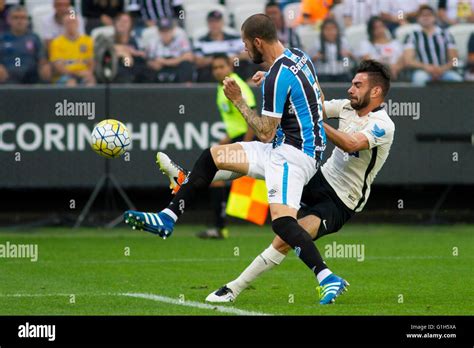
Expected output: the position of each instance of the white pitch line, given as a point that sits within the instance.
(200, 305)
(157, 298)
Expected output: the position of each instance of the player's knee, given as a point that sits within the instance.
(216, 154)
(287, 228)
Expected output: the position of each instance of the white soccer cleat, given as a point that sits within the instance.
(223, 295)
(174, 172)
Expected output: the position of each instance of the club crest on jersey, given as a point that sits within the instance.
(377, 131)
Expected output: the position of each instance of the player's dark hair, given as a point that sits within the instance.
(222, 56)
(379, 74)
(260, 26)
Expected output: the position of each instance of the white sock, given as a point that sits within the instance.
(170, 213)
(262, 263)
(323, 274)
(226, 175)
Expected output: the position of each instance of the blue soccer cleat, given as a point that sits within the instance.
(156, 223)
(331, 287)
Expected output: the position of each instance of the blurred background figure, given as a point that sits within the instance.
(358, 12)
(400, 12)
(430, 51)
(132, 61)
(3, 15)
(331, 54)
(382, 47)
(72, 55)
(452, 12)
(470, 59)
(313, 12)
(236, 129)
(153, 11)
(171, 57)
(22, 55)
(52, 25)
(100, 12)
(217, 41)
(286, 35)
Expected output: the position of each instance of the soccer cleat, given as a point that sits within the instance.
(174, 172)
(222, 295)
(331, 287)
(156, 223)
(214, 233)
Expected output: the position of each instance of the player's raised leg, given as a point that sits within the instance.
(230, 157)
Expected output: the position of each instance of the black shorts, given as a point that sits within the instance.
(320, 199)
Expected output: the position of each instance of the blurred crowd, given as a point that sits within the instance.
(85, 42)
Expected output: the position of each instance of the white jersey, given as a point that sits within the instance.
(351, 174)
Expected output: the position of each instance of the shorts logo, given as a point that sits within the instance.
(272, 193)
(298, 251)
(324, 224)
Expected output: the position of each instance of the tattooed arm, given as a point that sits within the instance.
(263, 126)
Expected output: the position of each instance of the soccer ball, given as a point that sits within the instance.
(110, 138)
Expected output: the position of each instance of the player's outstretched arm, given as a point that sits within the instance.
(346, 142)
(263, 126)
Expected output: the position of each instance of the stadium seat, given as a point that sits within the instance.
(308, 36)
(338, 11)
(151, 34)
(461, 34)
(37, 15)
(187, 3)
(402, 31)
(291, 13)
(232, 5)
(242, 12)
(107, 31)
(199, 12)
(356, 34)
(148, 36)
(30, 5)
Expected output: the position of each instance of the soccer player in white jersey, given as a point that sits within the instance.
(342, 186)
(292, 136)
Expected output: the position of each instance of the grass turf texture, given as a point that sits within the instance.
(413, 261)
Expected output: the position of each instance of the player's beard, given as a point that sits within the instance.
(362, 103)
(257, 57)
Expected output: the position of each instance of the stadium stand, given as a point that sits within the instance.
(194, 23)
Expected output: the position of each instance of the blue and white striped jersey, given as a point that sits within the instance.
(290, 92)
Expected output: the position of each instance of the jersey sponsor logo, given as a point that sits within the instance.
(295, 69)
(377, 131)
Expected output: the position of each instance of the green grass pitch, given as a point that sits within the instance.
(407, 270)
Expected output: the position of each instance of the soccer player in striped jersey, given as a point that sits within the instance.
(342, 186)
(288, 155)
